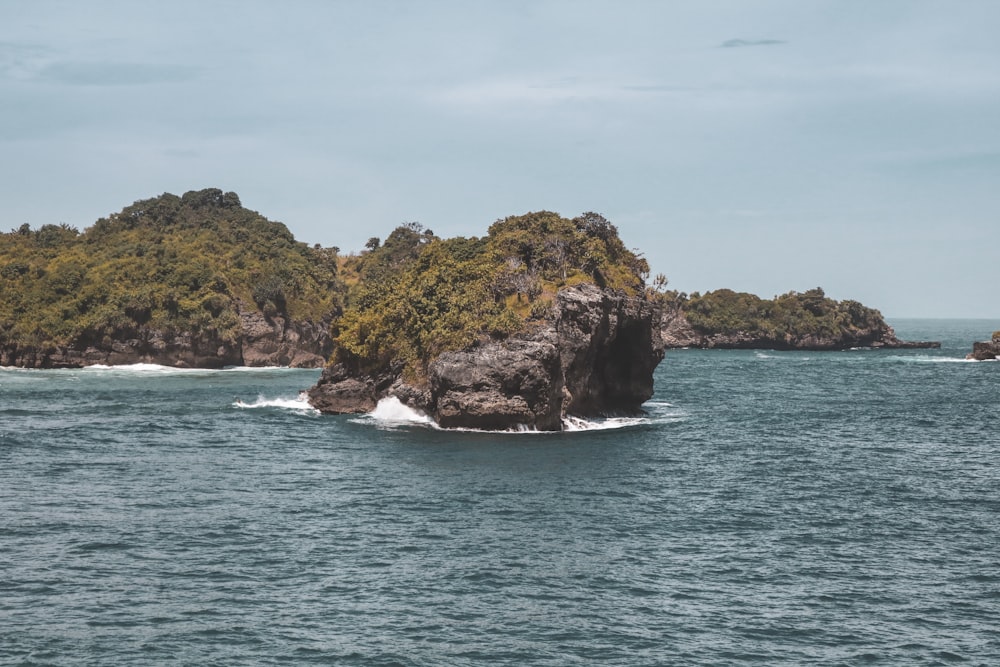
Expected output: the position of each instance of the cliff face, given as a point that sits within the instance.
(595, 356)
(678, 332)
(283, 342)
(261, 342)
(987, 350)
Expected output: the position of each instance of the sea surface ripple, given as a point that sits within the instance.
(774, 508)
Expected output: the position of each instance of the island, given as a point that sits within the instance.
(542, 319)
(192, 281)
(808, 320)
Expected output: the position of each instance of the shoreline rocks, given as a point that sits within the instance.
(986, 350)
(262, 341)
(594, 357)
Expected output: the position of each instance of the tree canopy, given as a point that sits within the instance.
(176, 264)
(799, 314)
(417, 295)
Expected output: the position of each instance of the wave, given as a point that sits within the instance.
(136, 368)
(158, 368)
(579, 424)
(298, 404)
(392, 411)
(928, 359)
(391, 414)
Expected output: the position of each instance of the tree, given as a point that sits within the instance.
(596, 225)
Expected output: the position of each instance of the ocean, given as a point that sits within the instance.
(773, 508)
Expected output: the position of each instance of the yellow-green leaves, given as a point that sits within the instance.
(418, 296)
(174, 264)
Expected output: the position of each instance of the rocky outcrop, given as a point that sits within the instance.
(677, 332)
(499, 385)
(987, 350)
(280, 341)
(261, 341)
(144, 346)
(595, 356)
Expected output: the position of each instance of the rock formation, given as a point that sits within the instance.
(262, 341)
(594, 356)
(987, 350)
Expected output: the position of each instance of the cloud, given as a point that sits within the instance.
(507, 94)
(115, 74)
(660, 88)
(21, 60)
(737, 43)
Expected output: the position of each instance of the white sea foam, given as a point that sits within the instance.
(299, 404)
(137, 368)
(392, 413)
(158, 368)
(928, 359)
(609, 423)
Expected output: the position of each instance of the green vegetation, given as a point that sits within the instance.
(416, 295)
(808, 313)
(173, 264)
(192, 264)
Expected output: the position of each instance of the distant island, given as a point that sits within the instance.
(196, 281)
(542, 318)
(807, 320)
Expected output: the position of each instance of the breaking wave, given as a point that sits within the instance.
(391, 413)
(298, 404)
(160, 369)
(929, 359)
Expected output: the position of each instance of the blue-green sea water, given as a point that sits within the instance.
(774, 508)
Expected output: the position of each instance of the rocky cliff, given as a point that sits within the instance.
(594, 356)
(261, 341)
(987, 350)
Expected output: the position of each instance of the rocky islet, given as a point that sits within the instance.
(595, 356)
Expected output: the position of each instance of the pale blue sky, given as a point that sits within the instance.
(762, 146)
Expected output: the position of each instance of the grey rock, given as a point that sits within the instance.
(261, 342)
(987, 350)
(499, 386)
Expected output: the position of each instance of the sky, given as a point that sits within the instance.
(762, 146)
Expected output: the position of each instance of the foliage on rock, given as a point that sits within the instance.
(173, 264)
(416, 295)
(796, 314)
